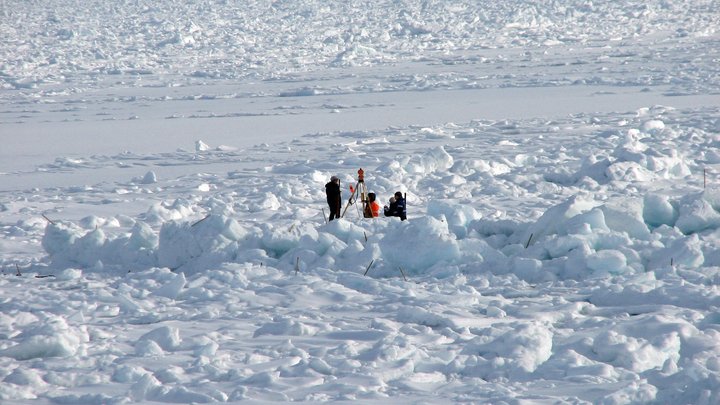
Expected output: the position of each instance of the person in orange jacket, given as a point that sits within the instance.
(374, 206)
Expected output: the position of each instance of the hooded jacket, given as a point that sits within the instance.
(397, 209)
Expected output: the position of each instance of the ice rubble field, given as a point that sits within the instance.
(162, 192)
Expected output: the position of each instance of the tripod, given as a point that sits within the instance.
(361, 191)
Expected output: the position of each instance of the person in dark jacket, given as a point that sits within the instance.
(334, 197)
(397, 207)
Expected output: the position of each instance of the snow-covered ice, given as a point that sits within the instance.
(162, 233)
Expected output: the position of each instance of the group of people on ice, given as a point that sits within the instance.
(396, 205)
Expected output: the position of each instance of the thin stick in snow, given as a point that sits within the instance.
(48, 219)
(297, 265)
(402, 272)
(18, 270)
(368, 267)
(206, 217)
(528, 242)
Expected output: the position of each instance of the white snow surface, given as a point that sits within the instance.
(162, 209)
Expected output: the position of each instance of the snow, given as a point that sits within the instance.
(162, 232)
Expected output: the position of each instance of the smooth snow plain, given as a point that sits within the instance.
(162, 171)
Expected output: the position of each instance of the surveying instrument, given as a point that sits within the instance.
(360, 190)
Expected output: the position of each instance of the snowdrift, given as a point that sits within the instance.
(576, 239)
(559, 249)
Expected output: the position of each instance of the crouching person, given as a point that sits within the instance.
(397, 207)
(372, 208)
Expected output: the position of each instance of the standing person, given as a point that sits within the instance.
(334, 197)
(397, 207)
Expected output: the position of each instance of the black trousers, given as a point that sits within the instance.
(334, 211)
